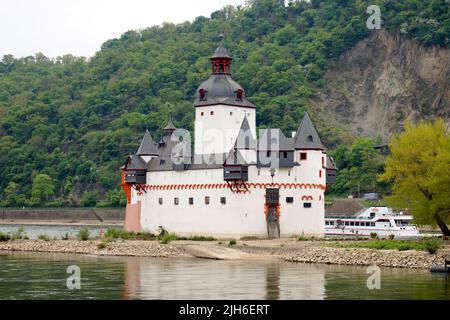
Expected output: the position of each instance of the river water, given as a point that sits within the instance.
(44, 276)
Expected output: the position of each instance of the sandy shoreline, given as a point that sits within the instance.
(323, 252)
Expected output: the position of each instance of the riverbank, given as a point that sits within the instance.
(322, 252)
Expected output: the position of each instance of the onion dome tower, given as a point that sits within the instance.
(221, 106)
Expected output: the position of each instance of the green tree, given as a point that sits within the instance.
(43, 188)
(419, 166)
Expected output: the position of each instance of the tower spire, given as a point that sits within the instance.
(221, 59)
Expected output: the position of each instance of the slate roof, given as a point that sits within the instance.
(221, 89)
(135, 162)
(221, 51)
(148, 146)
(170, 126)
(307, 137)
(274, 140)
(245, 139)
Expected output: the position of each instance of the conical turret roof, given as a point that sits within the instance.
(245, 139)
(170, 125)
(221, 51)
(148, 146)
(307, 136)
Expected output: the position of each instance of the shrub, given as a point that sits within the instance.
(233, 242)
(391, 237)
(101, 245)
(374, 235)
(83, 234)
(19, 234)
(65, 237)
(201, 238)
(43, 237)
(168, 237)
(4, 237)
(431, 245)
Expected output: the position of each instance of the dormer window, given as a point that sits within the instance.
(310, 139)
(239, 94)
(202, 93)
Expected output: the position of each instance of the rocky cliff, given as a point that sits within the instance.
(385, 79)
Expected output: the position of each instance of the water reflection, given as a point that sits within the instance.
(43, 276)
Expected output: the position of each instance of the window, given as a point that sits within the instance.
(290, 200)
(352, 223)
(231, 113)
(202, 114)
(357, 224)
(268, 154)
(212, 113)
(239, 94)
(310, 138)
(191, 201)
(285, 155)
(162, 162)
(176, 201)
(347, 223)
(372, 224)
(202, 93)
(327, 223)
(303, 156)
(160, 200)
(323, 161)
(307, 205)
(207, 200)
(320, 173)
(223, 200)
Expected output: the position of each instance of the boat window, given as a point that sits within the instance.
(352, 223)
(357, 224)
(372, 224)
(347, 223)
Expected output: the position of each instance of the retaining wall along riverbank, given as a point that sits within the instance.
(78, 214)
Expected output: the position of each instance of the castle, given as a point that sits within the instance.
(232, 184)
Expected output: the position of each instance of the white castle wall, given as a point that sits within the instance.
(215, 134)
(243, 214)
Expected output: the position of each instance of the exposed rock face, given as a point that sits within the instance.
(382, 81)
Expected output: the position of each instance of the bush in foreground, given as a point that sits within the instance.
(430, 245)
(83, 234)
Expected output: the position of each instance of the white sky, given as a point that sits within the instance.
(80, 27)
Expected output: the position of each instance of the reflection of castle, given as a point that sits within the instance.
(232, 185)
(195, 279)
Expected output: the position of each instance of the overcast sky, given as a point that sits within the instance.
(80, 27)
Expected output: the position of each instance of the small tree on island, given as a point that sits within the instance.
(419, 166)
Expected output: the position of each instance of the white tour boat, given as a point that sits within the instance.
(380, 220)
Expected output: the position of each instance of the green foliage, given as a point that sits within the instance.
(83, 234)
(428, 244)
(44, 237)
(358, 165)
(232, 242)
(4, 237)
(419, 167)
(19, 234)
(101, 245)
(67, 123)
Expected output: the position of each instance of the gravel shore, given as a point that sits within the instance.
(287, 250)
